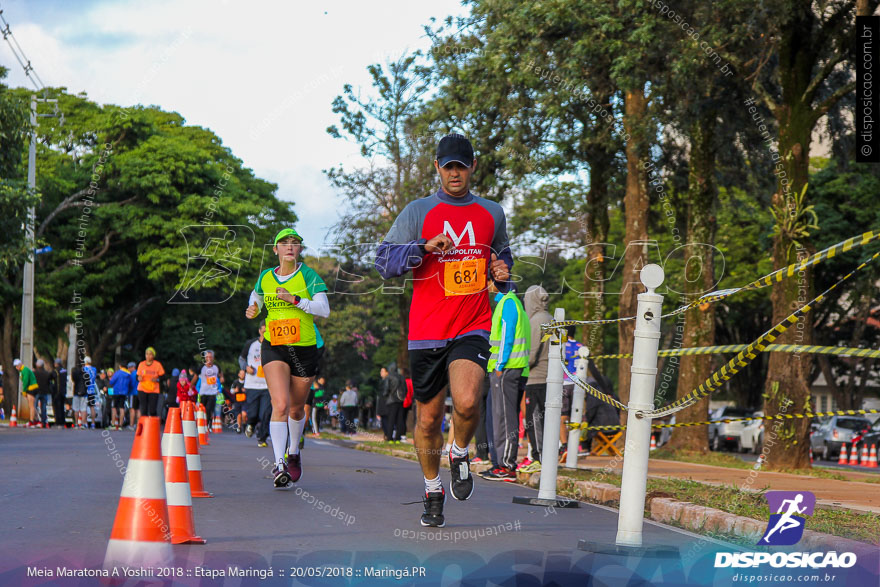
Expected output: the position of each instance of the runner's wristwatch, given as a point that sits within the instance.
(296, 300)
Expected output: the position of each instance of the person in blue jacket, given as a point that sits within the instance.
(132, 395)
(120, 383)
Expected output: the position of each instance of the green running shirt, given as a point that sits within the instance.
(304, 283)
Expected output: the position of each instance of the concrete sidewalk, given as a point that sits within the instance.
(855, 494)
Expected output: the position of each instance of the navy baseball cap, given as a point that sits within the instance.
(455, 147)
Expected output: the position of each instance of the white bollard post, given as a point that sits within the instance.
(552, 415)
(577, 410)
(641, 397)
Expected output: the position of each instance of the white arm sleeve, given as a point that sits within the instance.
(317, 306)
(256, 299)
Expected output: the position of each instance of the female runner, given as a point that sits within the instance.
(292, 293)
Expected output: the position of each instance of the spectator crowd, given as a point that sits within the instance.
(513, 399)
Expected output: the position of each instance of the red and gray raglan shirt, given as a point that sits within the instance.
(450, 295)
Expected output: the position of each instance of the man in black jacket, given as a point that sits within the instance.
(43, 394)
(394, 392)
(598, 412)
(58, 384)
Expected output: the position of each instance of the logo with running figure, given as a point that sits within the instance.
(215, 255)
(786, 526)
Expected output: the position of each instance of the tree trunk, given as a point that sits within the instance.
(635, 204)
(786, 389)
(601, 164)
(61, 348)
(7, 355)
(699, 324)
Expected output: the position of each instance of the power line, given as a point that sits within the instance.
(25, 63)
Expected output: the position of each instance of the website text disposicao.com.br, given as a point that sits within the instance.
(790, 560)
(772, 579)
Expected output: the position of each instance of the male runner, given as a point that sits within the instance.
(259, 404)
(209, 385)
(452, 241)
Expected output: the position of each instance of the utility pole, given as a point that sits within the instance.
(27, 294)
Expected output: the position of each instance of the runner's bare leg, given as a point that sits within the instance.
(278, 379)
(465, 385)
(299, 393)
(428, 438)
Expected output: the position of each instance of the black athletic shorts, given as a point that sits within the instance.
(310, 401)
(302, 360)
(430, 367)
(118, 401)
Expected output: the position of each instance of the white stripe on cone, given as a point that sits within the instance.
(144, 480)
(178, 494)
(138, 554)
(189, 428)
(193, 463)
(172, 447)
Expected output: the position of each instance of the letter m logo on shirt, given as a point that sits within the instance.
(456, 238)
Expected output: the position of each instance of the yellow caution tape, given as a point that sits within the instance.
(780, 274)
(585, 426)
(749, 354)
(592, 390)
(712, 297)
(771, 348)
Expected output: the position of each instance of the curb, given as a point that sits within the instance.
(665, 510)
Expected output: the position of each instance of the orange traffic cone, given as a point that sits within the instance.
(853, 455)
(218, 426)
(872, 458)
(141, 535)
(13, 420)
(863, 460)
(653, 443)
(193, 460)
(180, 514)
(202, 424)
(843, 458)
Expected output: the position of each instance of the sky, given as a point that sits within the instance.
(261, 75)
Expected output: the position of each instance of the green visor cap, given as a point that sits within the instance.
(286, 232)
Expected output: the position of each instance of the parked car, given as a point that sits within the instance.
(722, 434)
(868, 437)
(751, 437)
(834, 432)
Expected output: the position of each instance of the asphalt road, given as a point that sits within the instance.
(60, 490)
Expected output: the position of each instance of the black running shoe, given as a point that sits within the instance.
(282, 477)
(294, 468)
(462, 485)
(433, 516)
(249, 430)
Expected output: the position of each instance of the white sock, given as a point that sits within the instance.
(448, 446)
(278, 433)
(458, 452)
(296, 428)
(433, 485)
